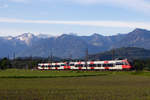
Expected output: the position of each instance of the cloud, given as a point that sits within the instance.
(19, 1)
(3, 5)
(139, 5)
(115, 24)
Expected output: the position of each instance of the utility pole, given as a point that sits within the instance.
(14, 56)
(13, 61)
(31, 57)
(30, 65)
(86, 57)
(113, 54)
(70, 57)
(51, 56)
(8, 57)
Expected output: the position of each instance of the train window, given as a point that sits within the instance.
(85, 65)
(57, 65)
(79, 65)
(99, 65)
(63, 65)
(71, 64)
(119, 63)
(92, 65)
(105, 65)
(125, 63)
(110, 65)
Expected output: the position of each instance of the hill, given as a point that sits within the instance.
(125, 52)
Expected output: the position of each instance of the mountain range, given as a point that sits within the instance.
(70, 45)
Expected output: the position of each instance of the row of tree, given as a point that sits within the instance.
(141, 64)
(19, 63)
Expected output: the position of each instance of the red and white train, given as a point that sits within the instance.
(89, 65)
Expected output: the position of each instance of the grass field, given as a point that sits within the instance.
(14, 73)
(54, 85)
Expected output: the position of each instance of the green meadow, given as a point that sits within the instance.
(74, 85)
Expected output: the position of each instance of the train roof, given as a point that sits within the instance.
(83, 62)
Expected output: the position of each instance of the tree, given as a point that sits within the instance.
(147, 65)
(5, 63)
(138, 65)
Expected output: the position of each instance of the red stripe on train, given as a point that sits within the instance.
(106, 67)
(92, 62)
(105, 62)
(80, 68)
(43, 66)
(92, 68)
(126, 66)
(67, 67)
(79, 62)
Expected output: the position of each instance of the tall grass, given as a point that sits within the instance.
(21, 73)
(71, 85)
(110, 87)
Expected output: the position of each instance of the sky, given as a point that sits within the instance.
(82, 17)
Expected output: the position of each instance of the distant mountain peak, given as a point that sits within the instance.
(26, 37)
(70, 34)
(43, 36)
(73, 34)
(27, 34)
(67, 35)
(139, 30)
(96, 35)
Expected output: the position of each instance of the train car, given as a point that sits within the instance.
(89, 65)
(50, 66)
